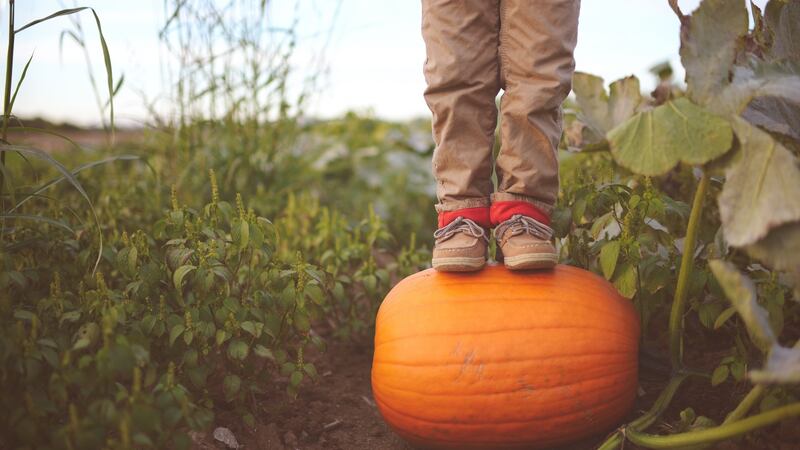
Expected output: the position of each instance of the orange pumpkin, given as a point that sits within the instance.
(504, 359)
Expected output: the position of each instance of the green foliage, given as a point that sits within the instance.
(654, 141)
(199, 303)
(193, 307)
(730, 136)
(766, 174)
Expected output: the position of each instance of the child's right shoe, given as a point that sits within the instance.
(460, 246)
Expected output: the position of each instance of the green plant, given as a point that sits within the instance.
(192, 309)
(15, 211)
(730, 136)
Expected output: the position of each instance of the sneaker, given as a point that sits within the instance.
(460, 246)
(524, 243)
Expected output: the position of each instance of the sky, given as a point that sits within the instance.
(373, 51)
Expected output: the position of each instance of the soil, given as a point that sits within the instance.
(336, 412)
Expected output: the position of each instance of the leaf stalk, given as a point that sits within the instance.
(687, 261)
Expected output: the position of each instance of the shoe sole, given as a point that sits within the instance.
(458, 264)
(531, 261)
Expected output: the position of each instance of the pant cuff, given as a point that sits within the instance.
(545, 207)
(479, 215)
(504, 210)
(454, 205)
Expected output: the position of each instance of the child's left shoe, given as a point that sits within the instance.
(525, 243)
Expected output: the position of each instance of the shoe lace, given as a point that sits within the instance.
(519, 224)
(460, 225)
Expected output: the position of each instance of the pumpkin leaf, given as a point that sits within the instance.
(740, 291)
(653, 142)
(775, 114)
(782, 366)
(708, 46)
(762, 190)
(609, 254)
(601, 111)
(780, 250)
(778, 80)
(784, 20)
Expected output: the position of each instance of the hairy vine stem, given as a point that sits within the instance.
(715, 434)
(746, 404)
(648, 418)
(687, 261)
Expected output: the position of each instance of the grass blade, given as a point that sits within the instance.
(63, 12)
(116, 90)
(70, 178)
(19, 83)
(109, 72)
(35, 218)
(75, 172)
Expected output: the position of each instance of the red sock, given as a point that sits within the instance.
(479, 215)
(502, 211)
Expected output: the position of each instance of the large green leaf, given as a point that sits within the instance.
(779, 80)
(602, 111)
(740, 291)
(653, 142)
(709, 45)
(780, 250)
(762, 190)
(775, 114)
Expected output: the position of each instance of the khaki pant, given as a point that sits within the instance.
(474, 49)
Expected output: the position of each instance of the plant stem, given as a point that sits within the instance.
(651, 415)
(687, 261)
(675, 323)
(7, 92)
(746, 404)
(716, 434)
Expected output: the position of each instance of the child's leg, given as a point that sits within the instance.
(537, 39)
(463, 79)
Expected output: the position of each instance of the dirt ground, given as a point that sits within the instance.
(338, 412)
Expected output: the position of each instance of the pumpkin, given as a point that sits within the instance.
(504, 359)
